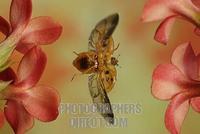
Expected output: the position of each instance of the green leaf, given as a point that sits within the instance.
(5, 53)
(4, 84)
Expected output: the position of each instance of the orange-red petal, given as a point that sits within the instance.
(19, 119)
(20, 13)
(31, 68)
(177, 110)
(185, 59)
(167, 81)
(42, 102)
(40, 31)
(4, 26)
(163, 31)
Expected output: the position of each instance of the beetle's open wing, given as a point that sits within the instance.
(103, 31)
(100, 98)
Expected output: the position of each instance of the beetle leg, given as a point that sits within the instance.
(116, 47)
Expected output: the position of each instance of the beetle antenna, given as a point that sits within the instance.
(75, 53)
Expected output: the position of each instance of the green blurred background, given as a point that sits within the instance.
(139, 56)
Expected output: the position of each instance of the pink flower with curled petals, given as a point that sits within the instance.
(168, 10)
(178, 82)
(26, 100)
(23, 32)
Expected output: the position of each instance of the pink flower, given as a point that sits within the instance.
(25, 100)
(24, 33)
(168, 10)
(178, 82)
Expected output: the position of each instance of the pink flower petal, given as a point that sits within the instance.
(31, 68)
(40, 31)
(177, 110)
(197, 31)
(175, 116)
(195, 102)
(20, 13)
(196, 3)
(186, 60)
(198, 58)
(24, 48)
(163, 31)
(42, 102)
(19, 119)
(4, 26)
(167, 81)
(156, 10)
(2, 118)
(161, 9)
(164, 9)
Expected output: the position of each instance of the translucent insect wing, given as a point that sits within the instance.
(101, 34)
(100, 98)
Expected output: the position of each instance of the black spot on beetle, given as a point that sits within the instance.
(112, 79)
(104, 45)
(107, 72)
